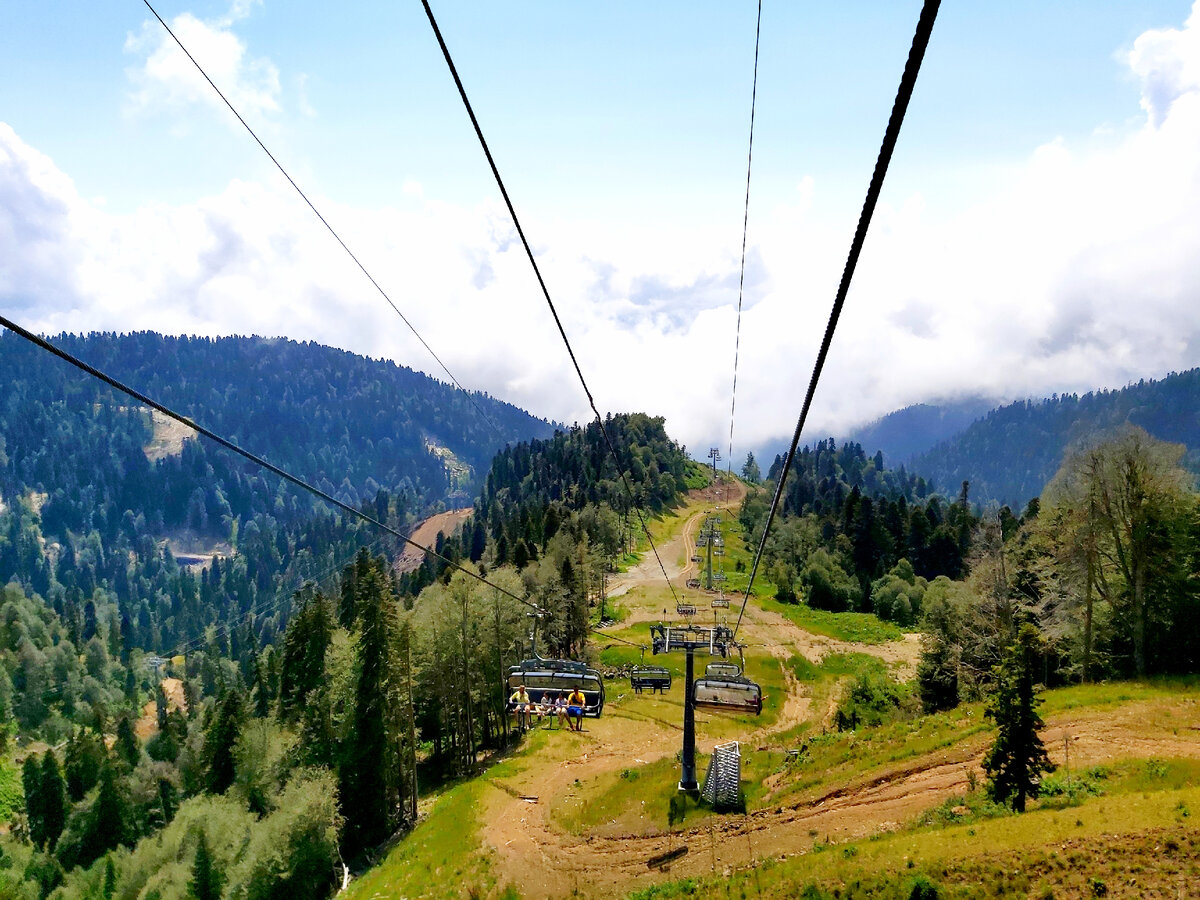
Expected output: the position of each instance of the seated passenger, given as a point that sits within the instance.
(576, 703)
(520, 705)
(560, 707)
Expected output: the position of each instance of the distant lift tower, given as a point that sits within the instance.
(714, 453)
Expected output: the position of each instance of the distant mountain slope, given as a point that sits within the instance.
(350, 424)
(1011, 453)
(903, 434)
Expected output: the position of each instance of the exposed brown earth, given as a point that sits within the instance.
(426, 534)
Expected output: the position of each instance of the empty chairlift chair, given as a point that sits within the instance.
(545, 679)
(725, 689)
(653, 678)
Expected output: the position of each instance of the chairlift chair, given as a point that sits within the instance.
(545, 679)
(725, 689)
(654, 678)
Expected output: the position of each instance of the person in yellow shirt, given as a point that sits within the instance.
(575, 706)
(520, 704)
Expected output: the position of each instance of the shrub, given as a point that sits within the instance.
(874, 698)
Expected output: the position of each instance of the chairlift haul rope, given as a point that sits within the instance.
(908, 81)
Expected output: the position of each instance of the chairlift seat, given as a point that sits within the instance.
(545, 679)
(731, 695)
(654, 678)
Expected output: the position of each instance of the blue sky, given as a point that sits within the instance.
(1039, 196)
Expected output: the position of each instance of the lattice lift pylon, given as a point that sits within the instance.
(723, 781)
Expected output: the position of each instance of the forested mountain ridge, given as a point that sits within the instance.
(1010, 454)
(915, 429)
(351, 425)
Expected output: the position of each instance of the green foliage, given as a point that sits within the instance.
(750, 469)
(898, 595)
(262, 753)
(52, 800)
(1114, 555)
(368, 792)
(293, 852)
(12, 793)
(827, 585)
(85, 755)
(866, 518)
(35, 812)
(873, 698)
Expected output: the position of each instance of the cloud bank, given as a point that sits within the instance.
(1078, 267)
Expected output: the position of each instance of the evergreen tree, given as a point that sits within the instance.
(53, 800)
(304, 646)
(84, 759)
(35, 811)
(206, 881)
(262, 694)
(110, 878)
(750, 470)
(218, 742)
(109, 886)
(363, 778)
(1017, 760)
(126, 745)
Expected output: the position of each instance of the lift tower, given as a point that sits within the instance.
(716, 639)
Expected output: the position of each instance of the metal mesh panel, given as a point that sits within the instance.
(723, 781)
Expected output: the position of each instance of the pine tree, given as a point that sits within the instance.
(110, 878)
(362, 775)
(35, 813)
(109, 825)
(206, 881)
(127, 743)
(84, 758)
(53, 800)
(219, 741)
(1017, 760)
(304, 646)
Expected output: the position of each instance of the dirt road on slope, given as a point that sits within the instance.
(676, 552)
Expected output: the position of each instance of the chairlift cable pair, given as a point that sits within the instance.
(903, 95)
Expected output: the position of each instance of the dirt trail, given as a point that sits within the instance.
(607, 865)
(676, 552)
(426, 535)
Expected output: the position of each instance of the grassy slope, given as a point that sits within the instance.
(1130, 843)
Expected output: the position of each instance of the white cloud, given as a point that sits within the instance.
(165, 80)
(1078, 268)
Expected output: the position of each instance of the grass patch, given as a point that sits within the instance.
(852, 627)
(440, 858)
(1115, 693)
(696, 475)
(1110, 840)
(12, 792)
